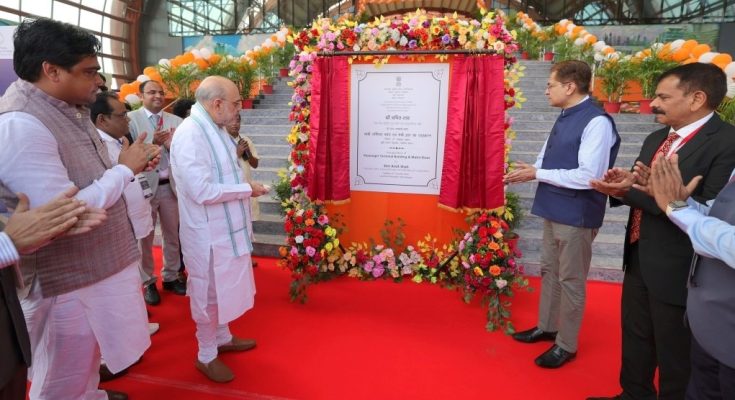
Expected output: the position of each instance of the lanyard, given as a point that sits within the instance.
(157, 127)
(680, 145)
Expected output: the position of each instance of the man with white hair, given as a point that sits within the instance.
(216, 230)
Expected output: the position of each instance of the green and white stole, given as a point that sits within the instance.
(202, 118)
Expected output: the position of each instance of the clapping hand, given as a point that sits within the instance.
(615, 182)
(665, 183)
(139, 156)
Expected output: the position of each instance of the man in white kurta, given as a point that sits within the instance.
(216, 231)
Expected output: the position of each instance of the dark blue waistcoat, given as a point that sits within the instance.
(580, 208)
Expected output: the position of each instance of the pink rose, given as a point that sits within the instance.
(310, 251)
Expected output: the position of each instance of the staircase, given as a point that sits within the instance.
(268, 125)
(533, 123)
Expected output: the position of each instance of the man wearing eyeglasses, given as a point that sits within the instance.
(160, 126)
(582, 145)
(216, 229)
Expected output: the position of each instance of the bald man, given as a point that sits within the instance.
(216, 230)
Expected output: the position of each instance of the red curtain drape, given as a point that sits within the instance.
(472, 175)
(329, 142)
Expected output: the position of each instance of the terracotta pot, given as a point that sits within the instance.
(268, 89)
(283, 72)
(549, 56)
(524, 55)
(247, 103)
(644, 107)
(611, 108)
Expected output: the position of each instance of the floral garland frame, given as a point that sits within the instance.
(480, 261)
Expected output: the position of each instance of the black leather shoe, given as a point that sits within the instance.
(107, 375)
(554, 357)
(115, 395)
(176, 286)
(151, 296)
(534, 335)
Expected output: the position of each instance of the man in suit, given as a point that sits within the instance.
(27, 230)
(582, 145)
(657, 254)
(160, 126)
(711, 299)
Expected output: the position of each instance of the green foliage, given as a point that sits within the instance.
(392, 234)
(284, 55)
(264, 67)
(179, 80)
(647, 72)
(513, 212)
(282, 190)
(565, 49)
(726, 110)
(615, 75)
(528, 43)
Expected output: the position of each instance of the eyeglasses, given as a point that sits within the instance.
(236, 103)
(155, 92)
(552, 85)
(123, 114)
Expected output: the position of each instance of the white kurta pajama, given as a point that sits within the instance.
(215, 231)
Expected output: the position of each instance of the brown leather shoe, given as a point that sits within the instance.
(237, 344)
(215, 370)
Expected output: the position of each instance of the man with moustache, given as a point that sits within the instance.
(657, 254)
(160, 126)
(82, 295)
(215, 230)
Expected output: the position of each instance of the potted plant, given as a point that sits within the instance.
(615, 74)
(180, 80)
(284, 55)
(646, 72)
(530, 45)
(244, 82)
(265, 71)
(513, 214)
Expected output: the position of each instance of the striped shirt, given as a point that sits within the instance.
(8, 254)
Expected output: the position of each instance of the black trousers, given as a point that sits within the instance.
(15, 388)
(710, 379)
(654, 336)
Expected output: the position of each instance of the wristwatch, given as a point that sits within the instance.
(675, 205)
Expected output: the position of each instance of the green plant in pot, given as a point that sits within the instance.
(647, 72)
(615, 74)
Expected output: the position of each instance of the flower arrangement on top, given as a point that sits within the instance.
(180, 75)
(475, 264)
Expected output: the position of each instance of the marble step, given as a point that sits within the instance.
(526, 200)
(540, 135)
(269, 205)
(265, 120)
(266, 175)
(265, 112)
(535, 145)
(282, 130)
(273, 150)
(529, 157)
(602, 268)
(265, 245)
(269, 224)
(604, 246)
(272, 106)
(612, 223)
(622, 126)
(268, 161)
(537, 115)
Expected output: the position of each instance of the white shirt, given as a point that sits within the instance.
(31, 164)
(8, 253)
(163, 173)
(593, 157)
(139, 208)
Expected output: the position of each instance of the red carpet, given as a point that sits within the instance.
(377, 340)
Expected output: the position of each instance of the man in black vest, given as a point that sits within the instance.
(657, 254)
(582, 145)
(711, 298)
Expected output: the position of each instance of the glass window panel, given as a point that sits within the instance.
(65, 13)
(96, 4)
(106, 45)
(9, 17)
(37, 7)
(90, 20)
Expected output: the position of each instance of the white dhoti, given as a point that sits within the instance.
(69, 332)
